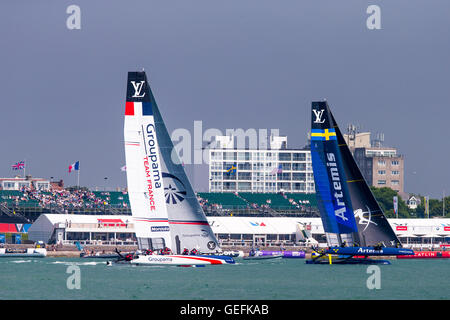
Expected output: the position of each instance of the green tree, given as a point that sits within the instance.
(385, 198)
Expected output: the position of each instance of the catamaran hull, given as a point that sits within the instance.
(261, 257)
(369, 251)
(175, 260)
(284, 254)
(348, 261)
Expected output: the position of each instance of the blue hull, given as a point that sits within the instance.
(369, 251)
(348, 261)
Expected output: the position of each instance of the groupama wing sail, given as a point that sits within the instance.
(144, 167)
(187, 226)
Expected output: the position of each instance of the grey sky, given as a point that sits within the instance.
(230, 63)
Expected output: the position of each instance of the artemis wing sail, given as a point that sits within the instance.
(373, 227)
(330, 179)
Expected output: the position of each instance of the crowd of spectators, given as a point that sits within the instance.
(63, 198)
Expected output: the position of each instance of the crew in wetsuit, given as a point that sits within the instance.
(166, 251)
(129, 257)
(148, 252)
(185, 251)
(378, 246)
(194, 252)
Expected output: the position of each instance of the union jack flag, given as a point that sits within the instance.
(18, 165)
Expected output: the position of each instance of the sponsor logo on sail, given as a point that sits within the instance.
(359, 214)
(336, 183)
(151, 165)
(211, 245)
(172, 193)
(318, 114)
(160, 229)
(138, 88)
(158, 259)
(257, 224)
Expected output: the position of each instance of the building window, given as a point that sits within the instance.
(216, 175)
(299, 156)
(283, 156)
(271, 156)
(284, 186)
(229, 186)
(245, 176)
(395, 172)
(244, 186)
(381, 172)
(229, 156)
(23, 184)
(285, 166)
(244, 166)
(298, 167)
(381, 182)
(299, 176)
(216, 166)
(395, 182)
(299, 186)
(381, 162)
(216, 155)
(244, 156)
(8, 185)
(395, 162)
(284, 176)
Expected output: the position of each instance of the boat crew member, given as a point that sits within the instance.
(194, 252)
(129, 257)
(378, 246)
(185, 251)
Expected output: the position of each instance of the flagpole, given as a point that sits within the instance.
(78, 180)
(24, 165)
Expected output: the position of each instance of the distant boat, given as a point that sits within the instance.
(354, 223)
(165, 209)
(27, 253)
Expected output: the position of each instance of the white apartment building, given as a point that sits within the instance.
(274, 169)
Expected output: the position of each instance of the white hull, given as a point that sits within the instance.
(173, 260)
(35, 253)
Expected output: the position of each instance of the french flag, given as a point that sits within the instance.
(74, 166)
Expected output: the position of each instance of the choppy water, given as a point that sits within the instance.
(47, 278)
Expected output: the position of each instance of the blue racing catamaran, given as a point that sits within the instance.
(355, 226)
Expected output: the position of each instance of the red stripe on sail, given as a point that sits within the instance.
(129, 108)
(196, 223)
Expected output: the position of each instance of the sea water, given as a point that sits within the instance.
(76, 278)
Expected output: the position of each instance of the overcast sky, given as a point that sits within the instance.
(229, 63)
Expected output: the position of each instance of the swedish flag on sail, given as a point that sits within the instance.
(231, 169)
(323, 134)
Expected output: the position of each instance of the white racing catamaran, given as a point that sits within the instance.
(169, 222)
